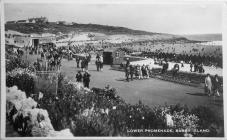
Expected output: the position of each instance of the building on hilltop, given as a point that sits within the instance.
(61, 22)
(30, 20)
(38, 20)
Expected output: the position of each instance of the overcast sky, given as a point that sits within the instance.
(165, 18)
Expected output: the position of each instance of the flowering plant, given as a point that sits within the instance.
(24, 79)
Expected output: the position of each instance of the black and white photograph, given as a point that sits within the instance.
(112, 69)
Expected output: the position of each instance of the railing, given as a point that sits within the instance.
(47, 81)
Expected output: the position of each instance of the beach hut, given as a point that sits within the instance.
(113, 56)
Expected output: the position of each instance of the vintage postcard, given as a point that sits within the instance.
(112, 69)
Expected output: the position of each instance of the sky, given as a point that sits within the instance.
(162, 18)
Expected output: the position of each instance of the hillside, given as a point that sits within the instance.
(204, 37)
(55, 28)
(112, 33)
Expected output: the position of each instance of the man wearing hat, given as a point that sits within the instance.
(86, 79)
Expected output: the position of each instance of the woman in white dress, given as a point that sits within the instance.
(208, 85)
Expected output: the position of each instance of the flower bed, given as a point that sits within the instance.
(22, 78)
(186, 76)
(14, 62)
(101, 112)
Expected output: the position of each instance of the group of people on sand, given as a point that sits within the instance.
(197, 67)
(136, 71)
(187, 58)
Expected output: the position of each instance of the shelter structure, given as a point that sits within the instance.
(28, 40)
(113, 56)
(37, 39)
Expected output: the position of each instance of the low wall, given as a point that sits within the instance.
(186, 78)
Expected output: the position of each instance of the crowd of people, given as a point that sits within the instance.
(82, 48)
(50, 58)
(14, 51)
(189, 59)
(145, 71)
(168, 49)
(83, 76)
(136, 71)
(82, 62)
(193, 67)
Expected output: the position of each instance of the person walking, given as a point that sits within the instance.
(86, 63)
(127, 71)
(79, 76)
(147, 71)
(165, 67)
(86, 79)
(131, 68)
(97, 63)
(89, 57)
(191, 66)
(101, 62)
(216, 85)
(176, 68)
(97, 56)
(196, 67)
(78, 62)
(143, 71)
(140, 72)
(182, 63)
(127, 62)
(208, 85)
(82, 64)
(42, 55)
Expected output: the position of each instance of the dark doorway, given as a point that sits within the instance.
(107, 58)
(35, 43)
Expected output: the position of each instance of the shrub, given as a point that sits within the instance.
(15, 62)
(23, 79)
(209, 120)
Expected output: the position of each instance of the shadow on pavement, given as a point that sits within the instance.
(122, 79)
(95, 70)
(218, 101)
(197, 94)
